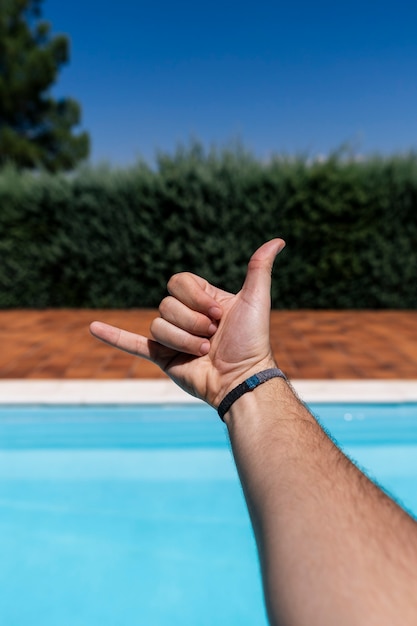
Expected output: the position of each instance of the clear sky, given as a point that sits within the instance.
(300, 76)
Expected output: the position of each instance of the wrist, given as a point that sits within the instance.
(258, 406)
(234, 379)
(257, 414)
(248, 386)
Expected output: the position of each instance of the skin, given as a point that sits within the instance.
(334, 549)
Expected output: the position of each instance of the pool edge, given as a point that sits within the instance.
(151, 391)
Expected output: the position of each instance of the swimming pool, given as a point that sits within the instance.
(134, 514)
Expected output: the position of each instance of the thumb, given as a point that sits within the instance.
(258, 277)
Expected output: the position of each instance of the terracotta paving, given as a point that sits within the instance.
(307, 344)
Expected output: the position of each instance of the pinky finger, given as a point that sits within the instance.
(122, 339)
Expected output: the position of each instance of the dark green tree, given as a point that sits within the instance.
(36, 130)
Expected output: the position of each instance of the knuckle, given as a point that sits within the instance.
(154, 326)
(173, 281)
(164, 306)
(176, 280)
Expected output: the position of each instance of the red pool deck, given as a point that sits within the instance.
(56, 344)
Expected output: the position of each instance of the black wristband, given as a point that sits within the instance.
(248, 385)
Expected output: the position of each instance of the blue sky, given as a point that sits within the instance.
(281, 77)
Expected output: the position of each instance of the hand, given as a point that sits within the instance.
(206, 339)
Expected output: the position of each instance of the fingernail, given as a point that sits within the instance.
(215, 312)
(205, 348)
(212, 329)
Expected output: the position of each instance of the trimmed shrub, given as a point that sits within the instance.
(111, 238)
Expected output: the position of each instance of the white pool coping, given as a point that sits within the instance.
(166, 392)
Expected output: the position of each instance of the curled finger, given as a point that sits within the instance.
(180, 315)
(196, 293)
(178, 339)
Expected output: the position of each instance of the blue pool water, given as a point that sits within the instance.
(134, 515)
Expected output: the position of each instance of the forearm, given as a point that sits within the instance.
(334, 548)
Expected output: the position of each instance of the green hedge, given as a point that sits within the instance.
(111, 238)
